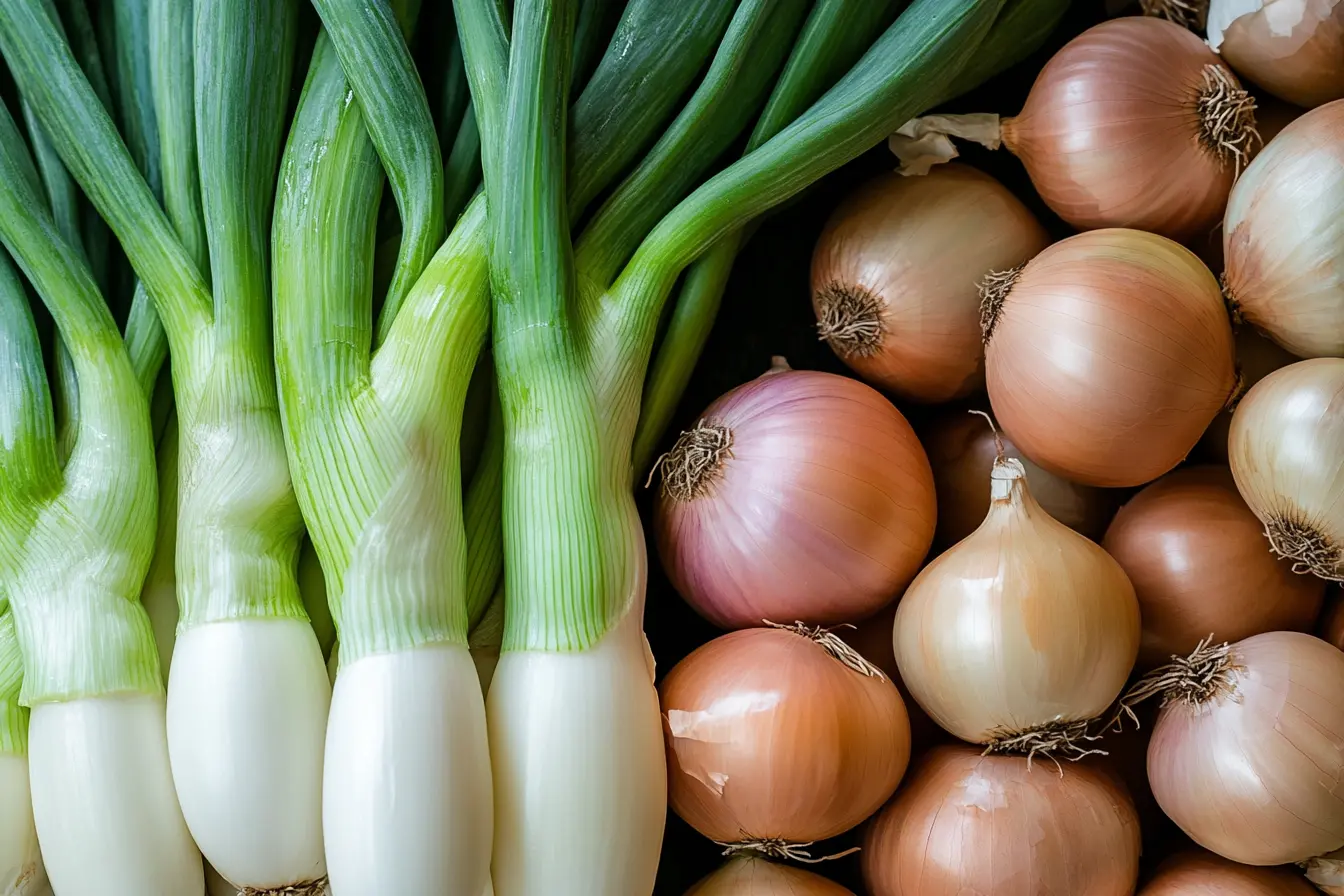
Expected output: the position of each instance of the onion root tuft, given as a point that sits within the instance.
(779, 849)
(1305, 545)
(307, 888)
(1193, 680)
(994, 288)
(849, 320)
(1226, 118)
(834, 645)
(1051, 740)
(1190, 14)
(695, 461)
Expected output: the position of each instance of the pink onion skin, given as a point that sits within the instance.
(1198, 560)
(919, 246)
(759, 877)
(770, 737)
(973, 824)
(1110, 356)
(1200, 873)
(823, 512)
(1258, 776)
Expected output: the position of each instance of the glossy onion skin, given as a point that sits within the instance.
(1023, 623)
(1257, 357)
(1200, 873)
(920, 245)
(1258, 776)
(1198, 561)
(962, 448)
(1285, 446)
(1283, 238)
(1109, 133)
(759, 877)
(973, 824)
(769, 736)
(1111, 355)
(822, 513)
(1304, 66)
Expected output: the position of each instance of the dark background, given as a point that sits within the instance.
(767, 311)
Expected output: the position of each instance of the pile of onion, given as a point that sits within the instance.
(894, 277)
(797, 496)
(1023, 633)
(1134, 123)
(968, 823)
(1292, 48)
(1283, 237)
(962, 450)
(751, 876)
(1199, 873)
(779, 737)
(1246, 753)
(1285, 447)
(1257, 357)
(1197, 558)
(1108, 355)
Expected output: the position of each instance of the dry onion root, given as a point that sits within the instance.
(1190, 14)
(1022, 634)
(1292, 48)
(1245, 756)
(894, 277)
(968, 823)
(780, 737)
(1134, 123)
(1284, 448)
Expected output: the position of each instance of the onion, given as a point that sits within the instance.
(1292, 48)
(1285, 447)
(797, 496)
(1200, 873)
(1134, 123)
(1020, 634)
(894, 277)
(1257, 357)
(778, 737)
(1108, 355)
(1331, 624)
(973, 824)
(749, 876)
(1196, 556)
(962, 449)
(871, 639)
(1283, 237)
(1247, 754)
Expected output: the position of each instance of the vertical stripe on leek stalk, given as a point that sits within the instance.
(74, 547)
(248, 692)
(21, 869)
(373, 439)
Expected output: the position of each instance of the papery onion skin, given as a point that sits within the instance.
(1257, 357)
(895, 272)
(1200, 873)
(1256, 774)
(1110, 356)
(1197, 558)
(1284, 448)
(822, 510)
(1331, 624)
(1023, 624)
(968, 823)
(962, 448)
(769, 737)
(1283, 236)
(1110, 131)
(1292, 48)
(759, 877)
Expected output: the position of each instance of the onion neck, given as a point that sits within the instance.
(1008, 482)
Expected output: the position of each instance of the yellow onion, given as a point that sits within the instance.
(1283, 237)
(973, 824)
(1247, 754)
(1257, 357)
(1331, 624)
(1134, 123)
(1292, 48)
(1196, 557)
(894, 277)
(780, 736)
(749, 876)
(1020, 634)
(1108, 356)
(1285, 446)
(1200, 873)
(962, 450)
(797, 496)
